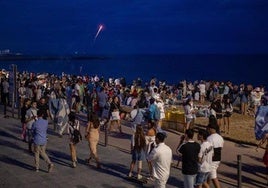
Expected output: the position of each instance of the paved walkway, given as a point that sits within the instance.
(17, 165)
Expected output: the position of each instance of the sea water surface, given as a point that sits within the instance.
(248, 69)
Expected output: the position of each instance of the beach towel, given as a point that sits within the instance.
(261, 122)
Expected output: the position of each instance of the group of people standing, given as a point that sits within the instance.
(201, 161)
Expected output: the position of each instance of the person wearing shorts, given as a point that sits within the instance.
(205, 160)
(217, 141)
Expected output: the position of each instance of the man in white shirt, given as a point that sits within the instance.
(217, 141)
(161, 158)
(205, 160)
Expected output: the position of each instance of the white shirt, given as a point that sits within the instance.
(202, 88)
(29, 114)
(205, 154)
(161, 158)
(216, 140)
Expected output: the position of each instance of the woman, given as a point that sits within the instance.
(138, 145)
(92, 135)
(115, 114)
(150, 142)
(189, 113)
(75, 136)
(228, 110)
(105, 116)
(25, 107)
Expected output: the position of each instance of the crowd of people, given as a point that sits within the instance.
(107, 102)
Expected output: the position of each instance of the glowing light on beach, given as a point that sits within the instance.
(98, 32)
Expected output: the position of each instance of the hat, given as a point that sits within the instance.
(213, 126)
(257, 89)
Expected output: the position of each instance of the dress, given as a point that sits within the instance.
(93, 139)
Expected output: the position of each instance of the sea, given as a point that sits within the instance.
(172, 68)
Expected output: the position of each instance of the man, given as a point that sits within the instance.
(30, 118)
(161, 158)
(205, 160)
(217, 141)
(5, 95)
(102, 100)
(189, 151)
(39, 129)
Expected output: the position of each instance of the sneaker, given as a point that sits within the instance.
(129, 174)
(37, 170)
(50, 167)
(74, 164)
(139, 177)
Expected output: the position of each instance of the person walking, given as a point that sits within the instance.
(92, 135)
(25, 107)
(39, 129)
(31, 117)
(161, 159)
(204, 160)
(75, 136)
(138, 145)
(5, 95)
(189, 151)
(217, 141)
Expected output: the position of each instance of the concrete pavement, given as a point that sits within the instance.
(17, 165)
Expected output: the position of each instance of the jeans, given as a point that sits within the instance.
(189, 180)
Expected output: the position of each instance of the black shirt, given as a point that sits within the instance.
(190, 151)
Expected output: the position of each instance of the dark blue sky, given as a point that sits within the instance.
(134, 26)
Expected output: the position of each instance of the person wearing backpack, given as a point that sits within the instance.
(75, 136)
(92, 135)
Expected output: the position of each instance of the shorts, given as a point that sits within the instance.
(138, 156)
(189, 120)
(201, 178)
(214, 167)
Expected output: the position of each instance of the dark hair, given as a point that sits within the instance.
(40, 113)
(161, 136)
(72, 117)
(140, 142)
(152, 100)
(203, 133)
(190, 133)
(95, 120)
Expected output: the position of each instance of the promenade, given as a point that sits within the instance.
(17, 164)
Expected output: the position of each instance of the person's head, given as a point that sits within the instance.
(152, 100)
(42, 100)
(213, 127)
(202, 134)
(34, 104)
(189, 133)
(27, 102)
(160, 137)
(151, 124)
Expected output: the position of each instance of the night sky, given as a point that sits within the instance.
(134, 26)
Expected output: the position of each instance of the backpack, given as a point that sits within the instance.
(157, 113)
(77, 137)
